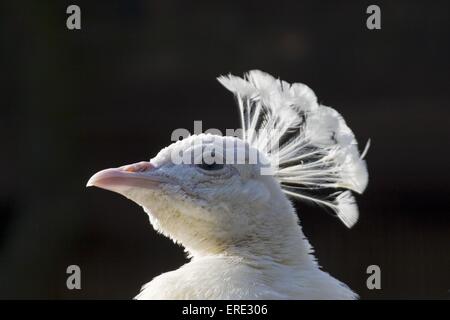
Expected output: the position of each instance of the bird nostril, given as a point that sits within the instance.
(138, 167)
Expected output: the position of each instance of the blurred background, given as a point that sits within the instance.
(75, 102)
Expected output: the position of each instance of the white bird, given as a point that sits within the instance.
(234, 219)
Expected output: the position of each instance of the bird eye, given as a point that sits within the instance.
(211, 167)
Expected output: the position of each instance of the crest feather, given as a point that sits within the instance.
(311, 148)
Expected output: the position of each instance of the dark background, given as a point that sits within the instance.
(75, 102)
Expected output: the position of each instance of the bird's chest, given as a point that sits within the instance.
(210, 281)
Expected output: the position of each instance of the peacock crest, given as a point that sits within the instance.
(313, 153)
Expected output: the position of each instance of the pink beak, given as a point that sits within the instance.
(137, 175)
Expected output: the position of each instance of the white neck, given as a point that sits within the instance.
(283, 242)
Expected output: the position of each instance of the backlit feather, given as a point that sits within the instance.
(311, 148)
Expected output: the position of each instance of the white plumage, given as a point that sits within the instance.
(236, 223)
(314, 146)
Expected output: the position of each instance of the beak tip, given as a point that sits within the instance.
(91, 182)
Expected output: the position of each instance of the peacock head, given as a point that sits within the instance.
(211, 193)
(206, 192)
